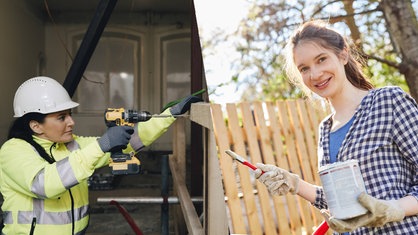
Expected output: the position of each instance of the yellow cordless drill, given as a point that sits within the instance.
(122, 163)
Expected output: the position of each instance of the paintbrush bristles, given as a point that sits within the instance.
(235, 156)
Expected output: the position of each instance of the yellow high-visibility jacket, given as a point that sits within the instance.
(36, 191)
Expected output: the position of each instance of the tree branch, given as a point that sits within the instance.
(381, 60)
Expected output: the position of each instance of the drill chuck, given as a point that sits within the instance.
(133, 116)
(123, 117)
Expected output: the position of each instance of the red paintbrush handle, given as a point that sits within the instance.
(250, 165)
(322, 229)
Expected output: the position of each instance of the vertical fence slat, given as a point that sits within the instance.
(282, 161)
(309, 138)
(238, 145)
(230, 186)
(293, 160)
(268, 158)
(254, 152)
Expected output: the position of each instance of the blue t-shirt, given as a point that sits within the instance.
(336, 138)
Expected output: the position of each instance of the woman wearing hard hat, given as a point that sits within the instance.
(44, 166)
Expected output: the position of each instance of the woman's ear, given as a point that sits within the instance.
(36, 127)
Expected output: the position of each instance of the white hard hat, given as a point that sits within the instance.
(41, 95)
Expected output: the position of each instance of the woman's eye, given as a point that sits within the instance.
(322, 59)
(303, 69)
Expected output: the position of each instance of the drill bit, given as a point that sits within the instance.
(167, 115)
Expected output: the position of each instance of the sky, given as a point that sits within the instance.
(211, 16)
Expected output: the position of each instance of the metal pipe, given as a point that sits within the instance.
(88, 44)
(164, 195)
(146, 200)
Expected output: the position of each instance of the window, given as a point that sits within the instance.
(176, 66)
(111, 75)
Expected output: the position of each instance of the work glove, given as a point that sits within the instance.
(277, 180)
(116, 137)
(184, 105)
(379, 213)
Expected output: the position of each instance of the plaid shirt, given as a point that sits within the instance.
(384, 139)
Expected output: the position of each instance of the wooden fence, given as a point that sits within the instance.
(282, 133)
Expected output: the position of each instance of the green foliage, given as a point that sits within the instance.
(383, 75)
(278, 88)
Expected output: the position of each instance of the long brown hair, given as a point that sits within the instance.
(316, 31)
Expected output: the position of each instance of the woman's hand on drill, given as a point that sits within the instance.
(184, 105)
(115, 137)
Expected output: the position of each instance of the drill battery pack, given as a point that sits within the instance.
(124, 164)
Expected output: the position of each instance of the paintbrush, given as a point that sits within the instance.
(241, 160)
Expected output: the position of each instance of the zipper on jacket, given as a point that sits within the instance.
(71, 195)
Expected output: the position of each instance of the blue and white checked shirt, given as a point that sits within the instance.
(384, 139)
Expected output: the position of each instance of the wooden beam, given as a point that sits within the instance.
(193, 224)
(179, 157)
(200, 114)
(216, 219)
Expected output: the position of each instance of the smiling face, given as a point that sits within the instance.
(321, 69)
(57, 127)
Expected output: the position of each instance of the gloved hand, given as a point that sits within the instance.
(277, 180)
(184, 105)
(379, 213)
(115, 136)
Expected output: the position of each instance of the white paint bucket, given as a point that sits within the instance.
(343, 183)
